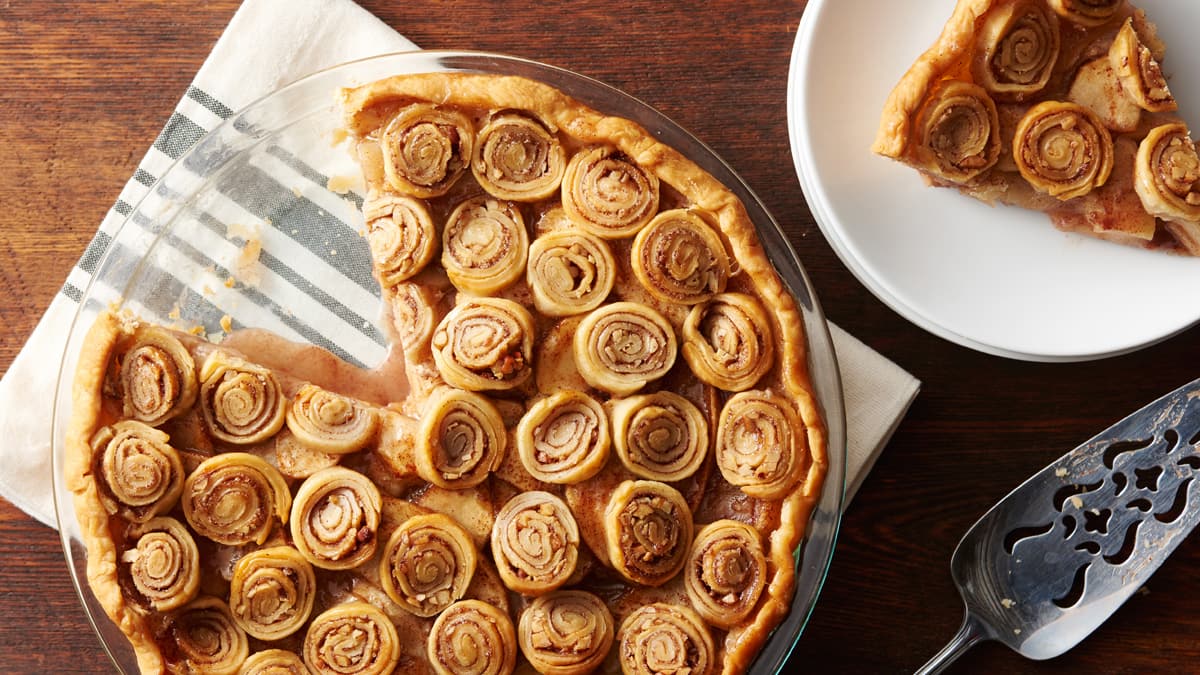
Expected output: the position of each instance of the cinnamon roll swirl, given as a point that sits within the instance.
(274, 662)
(727, 341)
(660, 436)
(472, 638)
(518, 158)
(570, 272)
(272, 592)
(1086, 12)
(564, 438)
(678, 258)
(401, 235)
(164, 563)
(1017, 47)
(726, 572)
(329, 422)
(535, 543)
(335, 518)
(205, 638)
(1139, 72)
(485, 344)
(426, 149)
(566, 633)
(486, 245)
(354, 637)
(957, 132)
(139, 475)
(427, 564)
(622, 346)
(461, 439)
(665, 638)
(647, 529)
(608, 194)
(413, 315)
(235, 498)
(241, 402)
(761, 445)
(157, 376)
(1167, 173)
(1063, 149)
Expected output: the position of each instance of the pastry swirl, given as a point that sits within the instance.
(570, 272)
(234, 498)
(726, 572)
(660, 436)
(727, 341)
(330, 422)
(647, 529)
(273, 662)
(272, 592)
(461, 440)
(665, 638)
(957, 132)
(564, 438)
(139, 474)
(472, 638)
(608, 194)
(426, 149)
(517, 158)
(761, 445)
(1167, 173)
(1063, 149)
(1139, 72)
(206, 638)
(1086, 12)
(158, 377)
(535, 543)
(401, 235)
(412, 315)
(566, 633)
(679, 258)
(485, 245)
(427, 564)
(1017, 48)
(485, 344)
(622, 346)
(354, 637)
(335, 518)
(241, 402)
(164, 563)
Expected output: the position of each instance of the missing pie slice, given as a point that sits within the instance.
(1059, 106)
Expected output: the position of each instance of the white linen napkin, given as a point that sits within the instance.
(267, 44)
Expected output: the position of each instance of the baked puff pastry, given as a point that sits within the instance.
(1040, 104)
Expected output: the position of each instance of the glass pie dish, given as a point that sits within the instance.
(256, 226)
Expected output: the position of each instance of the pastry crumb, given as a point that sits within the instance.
(296, 191)
(1016, 631)
(208, 291)
(230, 282)
(246, 262)
(227, 323)
(338, 136)
(175, 312)
(340, 184)
(241, 231)
(196, 330)
(1007, 603)
(1060, 471)
(1076, 501)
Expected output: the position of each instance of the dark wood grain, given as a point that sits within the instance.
(87, 86)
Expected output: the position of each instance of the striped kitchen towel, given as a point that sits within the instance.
(312, 275)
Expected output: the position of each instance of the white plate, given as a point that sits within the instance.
(1001, 280)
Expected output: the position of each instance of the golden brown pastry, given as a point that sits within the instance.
(1086, 12)
(235, 498)
(726, 572)
(354, 637)
(461, 440)
(139, 474)
(164, 564)
(759, 446)
(206, 638)
(622, 346)
(427, 564)
(570, 272)
(665, 638)
(647, 529)
(1063, 149)
(535, 543)
(485, 245)
(335, 518)
(679, 258)
(1167, 174)
(727, 341)
(274, 662)
(426, 149)
(402, 237)
(660, 436)
(485, 344)
(566, 633)
(157, 377)
(518, 158)
(608, 194)
(272, 591)
(1140, 74)
(329, 422)
(564, 438)
(242, 402)
(472, 637)
(1016, 49)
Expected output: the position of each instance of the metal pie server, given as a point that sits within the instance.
(1056, 557)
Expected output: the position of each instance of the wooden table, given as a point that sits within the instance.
(87, 87)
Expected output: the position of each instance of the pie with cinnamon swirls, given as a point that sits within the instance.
(604, 458)
(1058, 106)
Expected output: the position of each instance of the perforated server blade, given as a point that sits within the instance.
(1056, 557)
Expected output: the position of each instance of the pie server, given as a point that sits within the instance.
(1055, 558)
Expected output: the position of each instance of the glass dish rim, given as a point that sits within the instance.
(828, 391)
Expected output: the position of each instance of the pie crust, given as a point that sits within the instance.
(604, 440)
(1059, 106)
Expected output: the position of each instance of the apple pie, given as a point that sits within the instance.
(594, 445)
(1059, 106)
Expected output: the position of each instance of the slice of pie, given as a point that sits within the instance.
(594, 447)
(1058, 106)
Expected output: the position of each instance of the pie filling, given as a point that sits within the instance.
(594, 445)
